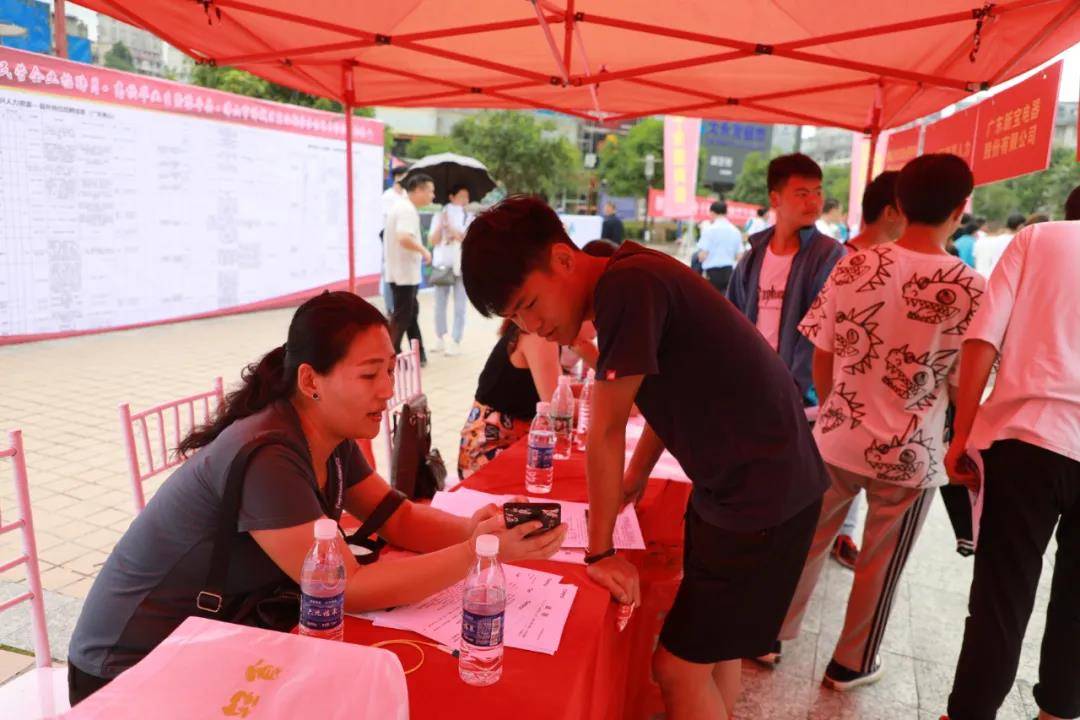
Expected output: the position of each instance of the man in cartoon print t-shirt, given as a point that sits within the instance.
(887, 328)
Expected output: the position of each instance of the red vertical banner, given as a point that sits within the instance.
(955, 134)
(1016, 128)
(901, 147)
(681, 140)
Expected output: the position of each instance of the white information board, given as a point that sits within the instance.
(120, 212)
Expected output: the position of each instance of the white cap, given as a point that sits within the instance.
(325, 529)
(543, 408)
(565, 379)
(487, 545)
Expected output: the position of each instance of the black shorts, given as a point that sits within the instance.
(736, 587)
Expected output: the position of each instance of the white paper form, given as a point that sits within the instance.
(465, 502)
(537, 607)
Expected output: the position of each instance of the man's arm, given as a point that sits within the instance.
(648, 451)
(822, 372)
(409, 242)
(606, 454)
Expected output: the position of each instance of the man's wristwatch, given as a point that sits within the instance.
(590, 559)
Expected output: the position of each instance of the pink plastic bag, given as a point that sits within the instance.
(209, 669)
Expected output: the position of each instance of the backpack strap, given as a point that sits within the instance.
(379, 516)
(211, 599)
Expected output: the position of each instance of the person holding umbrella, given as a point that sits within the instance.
(447, 232)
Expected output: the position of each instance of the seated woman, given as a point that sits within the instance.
(521, 371)
(327, 386)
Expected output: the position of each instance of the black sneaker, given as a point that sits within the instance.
(838, 677)
(771, 658)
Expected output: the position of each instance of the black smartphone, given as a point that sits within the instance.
(550, 514)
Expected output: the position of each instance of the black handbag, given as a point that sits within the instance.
(416, 470)
(275, 607)
(442, 275)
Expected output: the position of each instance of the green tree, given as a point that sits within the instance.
(751, 185)
(1043, 192)
(241, 82)
(622, 159)
(836, 183)
(524, 154)
(119, 58)
(431, 145)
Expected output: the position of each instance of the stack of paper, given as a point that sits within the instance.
(627, 536)
(537, 606)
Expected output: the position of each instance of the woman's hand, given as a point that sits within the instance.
(491, 510)
(514, 546)
(960, 468)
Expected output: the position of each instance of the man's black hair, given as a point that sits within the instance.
(830, 205)
(930, 188)
(1072, 204)
(503, 245)
(762, 211)
(415, 181)
(1015, 221)
(879, 194)
(719, 207)
(786, 166)
(399, 171)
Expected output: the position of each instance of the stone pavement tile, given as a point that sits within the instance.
(937, 623)
(13, 663)
(58, 577)
(799, 657)
(79, 588)
(100, 539)
(856, 705)
(774, 694)
(62, 554)
(88, 564)
(110, 518)
(53, 502)
(61, 613)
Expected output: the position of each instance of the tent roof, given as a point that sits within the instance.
(821, 62)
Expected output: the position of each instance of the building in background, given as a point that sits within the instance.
(35, 19)
(147, 50)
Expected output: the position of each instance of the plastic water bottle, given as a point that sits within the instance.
(322, 586)
(581, 435)
(539, 470)
(483, 616)
(562, 418)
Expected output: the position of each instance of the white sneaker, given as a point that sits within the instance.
(439, 346)
(452, 348)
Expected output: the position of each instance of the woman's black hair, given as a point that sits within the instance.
(320, 333)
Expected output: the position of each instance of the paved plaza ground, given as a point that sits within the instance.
(64, 395)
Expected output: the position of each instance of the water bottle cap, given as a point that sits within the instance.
(565, 379)
(325, 529)
(543, 408)
(487, 545)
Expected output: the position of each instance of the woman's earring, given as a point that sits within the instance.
(315, 397)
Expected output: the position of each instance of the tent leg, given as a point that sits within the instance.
(349, 177)
(60, 29)
(873, 147)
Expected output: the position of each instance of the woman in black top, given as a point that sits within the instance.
(326, 387)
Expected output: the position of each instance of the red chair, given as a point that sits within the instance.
(41, 692)
(174, 419)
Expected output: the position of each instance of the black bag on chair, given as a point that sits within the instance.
(416, 470)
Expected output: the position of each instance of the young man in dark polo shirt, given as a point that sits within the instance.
(713, 392)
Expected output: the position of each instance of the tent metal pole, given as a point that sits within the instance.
(1060, 19)
(347, 83)
(60, 28)
(874, 134)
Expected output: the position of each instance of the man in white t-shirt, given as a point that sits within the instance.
(757, 223)
(988, 248)
(887, 330)
(390, 196)
(787, 265)
(831, 217)
(405, 256)
(1028, 434)
(719, 247)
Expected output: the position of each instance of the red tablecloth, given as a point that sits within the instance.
(597, 672)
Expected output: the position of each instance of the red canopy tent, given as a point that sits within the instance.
(862, 65)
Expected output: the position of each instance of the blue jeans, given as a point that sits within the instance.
(442, 297)
(388, 296)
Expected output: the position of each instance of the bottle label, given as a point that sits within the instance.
(562, 423)
(322, 613)
(541, 458)
(482, 630)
